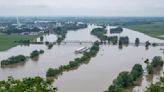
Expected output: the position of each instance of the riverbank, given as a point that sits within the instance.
(154, 29)
(8, 41)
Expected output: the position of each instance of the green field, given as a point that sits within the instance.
(8, 41)
(155, 29)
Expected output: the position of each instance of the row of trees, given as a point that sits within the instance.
(36, 53)
(116, 30)
(124, 40)
(23, 41)
(113, 40)
(21, 58)
(157, 62)
(74, 64)
(74, 26)
(99, 33)
(12, 29)
(36, 84)
(126, 79)
(62, 31)
(14, 60)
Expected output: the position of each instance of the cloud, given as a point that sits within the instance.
(82, 7)
(35, 6)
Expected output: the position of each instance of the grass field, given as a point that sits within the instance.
(8, 41)
(155, 29)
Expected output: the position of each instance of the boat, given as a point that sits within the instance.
(81, 50)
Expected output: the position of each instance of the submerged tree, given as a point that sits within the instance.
(137, 41)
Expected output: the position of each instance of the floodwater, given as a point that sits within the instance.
(97, 75)
(48, 37)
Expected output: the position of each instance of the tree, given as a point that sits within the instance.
(36, 84)
(99, 33)
(50, 46)
(124, 40)
(14, 60)
(137, 42)
(35, 53)
(157, 61)
(41, 51)
(147, 44)
(123, 80)
(113, 39)
(41, 38)
(116, 30)
(52, 72)
(157, 87)
(149, 69)
(136, 72)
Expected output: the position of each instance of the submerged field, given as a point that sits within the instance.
(155, 29)
(8, 41)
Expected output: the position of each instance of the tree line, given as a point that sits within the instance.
(62, 31)
(75, 63)
(21, 58)
(14, 60)
(126, 79)
(116, 30)
(12, 29)
(36, 53)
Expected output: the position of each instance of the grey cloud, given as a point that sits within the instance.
(82, 7)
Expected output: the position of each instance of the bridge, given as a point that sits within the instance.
(91, 42)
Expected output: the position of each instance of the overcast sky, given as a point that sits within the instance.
(81, 7)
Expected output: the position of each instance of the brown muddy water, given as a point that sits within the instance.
(97, 75)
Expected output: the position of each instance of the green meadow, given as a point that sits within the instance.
(8, 41)
(154, 30)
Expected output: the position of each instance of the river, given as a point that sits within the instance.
(96, 76)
